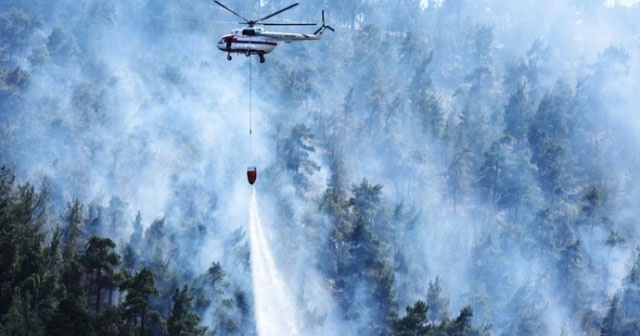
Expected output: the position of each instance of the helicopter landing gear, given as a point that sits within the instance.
(261, 57)
(228, 57)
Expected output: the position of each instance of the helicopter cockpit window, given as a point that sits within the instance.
(249, 32)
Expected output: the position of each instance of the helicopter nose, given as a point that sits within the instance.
(224, 43)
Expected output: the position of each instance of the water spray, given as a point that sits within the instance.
(274, 308)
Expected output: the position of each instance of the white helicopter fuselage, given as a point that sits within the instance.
(245, 41)
(257, 41)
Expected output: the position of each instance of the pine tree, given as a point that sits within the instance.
(414, 323)
(572, 271)
(613, 320)
(360, 264)
(517, 114)
(71, 318)
(549, 135)
(21, 318)
(623, 316)
(461, 325)
(23, 257)
(437, 302)
(99, 262)
(183, 320)
(73, 230)
(295, 150)
(136, 305)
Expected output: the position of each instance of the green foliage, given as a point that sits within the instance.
(517, 114)
(622, 317)
(136, 305)
(503, 171)
(295, 150)
(366, 200)
(438, 304)
(73, 230)
(573, 273)
(461, 325)
(111, 322)
(549, 135)
(593, 200)
(69, 285)
(415, 323)
(22, 257)
(21, 319)
(337, 181)
(213, 294)
(359, 262)
(100, 263)
(71, 318)
(183, 320)
(613, 320)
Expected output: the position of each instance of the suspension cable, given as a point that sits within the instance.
(251, 154)
(250, 93)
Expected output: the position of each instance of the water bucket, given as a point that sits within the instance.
(252, 175)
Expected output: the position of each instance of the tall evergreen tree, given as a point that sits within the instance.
(137, 309)
(73, 231)
(572, 270)
(100, 263)
(623, 317)
(613, 319)
(548, 137)
(21, 318)
(295, 150)
(415, 321)
(71, 318)
(436, 301)
(22, 257)
(183, 320)
(517, 114)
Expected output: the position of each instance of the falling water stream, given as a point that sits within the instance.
(274, 307)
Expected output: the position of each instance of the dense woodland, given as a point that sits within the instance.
(461, 168)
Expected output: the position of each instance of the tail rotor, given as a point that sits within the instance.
(323, 27)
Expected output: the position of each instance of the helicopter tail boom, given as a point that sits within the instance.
(290, 37)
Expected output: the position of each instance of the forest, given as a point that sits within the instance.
(447, 167)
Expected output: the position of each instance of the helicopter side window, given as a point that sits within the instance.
(249, 32)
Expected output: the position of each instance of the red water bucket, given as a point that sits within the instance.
(252, 174)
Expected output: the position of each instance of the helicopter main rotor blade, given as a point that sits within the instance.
(276, 13)
(230, 10)
(287, 24)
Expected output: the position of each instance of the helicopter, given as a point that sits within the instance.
(252, 40)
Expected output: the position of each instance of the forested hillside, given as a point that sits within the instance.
(430, 168)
